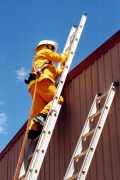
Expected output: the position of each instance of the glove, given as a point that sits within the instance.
(65, 57)
(31, 77)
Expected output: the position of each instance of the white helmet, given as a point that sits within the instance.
(49, 42)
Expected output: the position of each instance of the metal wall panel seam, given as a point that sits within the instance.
(100, 163)
(107, 128)
(115, 69)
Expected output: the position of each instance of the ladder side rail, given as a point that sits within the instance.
(97, 133)
(75, 40)
(41, 148)
(71, 55)
(78, 148)
(69, 40)
(66, 69)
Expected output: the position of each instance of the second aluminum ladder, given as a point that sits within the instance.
(96, 114)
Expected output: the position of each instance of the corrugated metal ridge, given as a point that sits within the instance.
(75, 72)
(94, 56)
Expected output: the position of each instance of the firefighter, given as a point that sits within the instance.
(44, 73)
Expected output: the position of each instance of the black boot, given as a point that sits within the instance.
(37, 127)
(32, 76)
(33, 134)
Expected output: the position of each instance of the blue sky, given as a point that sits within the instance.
(22, 25)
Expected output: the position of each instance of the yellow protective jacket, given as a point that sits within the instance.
(45, 58)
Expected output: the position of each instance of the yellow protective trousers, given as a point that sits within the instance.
(42, 94)
(45, 91)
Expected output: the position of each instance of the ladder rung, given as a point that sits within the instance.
(76, 158)
(73, 177)
(99, 98)
(22, 178)
(88, 134)
(91, 118)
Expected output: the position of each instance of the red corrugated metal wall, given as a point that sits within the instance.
(79, 93)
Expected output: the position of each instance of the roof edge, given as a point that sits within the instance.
(94, 56)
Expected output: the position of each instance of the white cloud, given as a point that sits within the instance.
(3, 122)
(2, 130)
(21, 73)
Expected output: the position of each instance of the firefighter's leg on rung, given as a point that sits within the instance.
(49, 105)
(47, 92)
(39, 104)
(46, 108)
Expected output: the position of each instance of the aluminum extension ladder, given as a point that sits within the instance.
(97, 115)
(38, 155)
